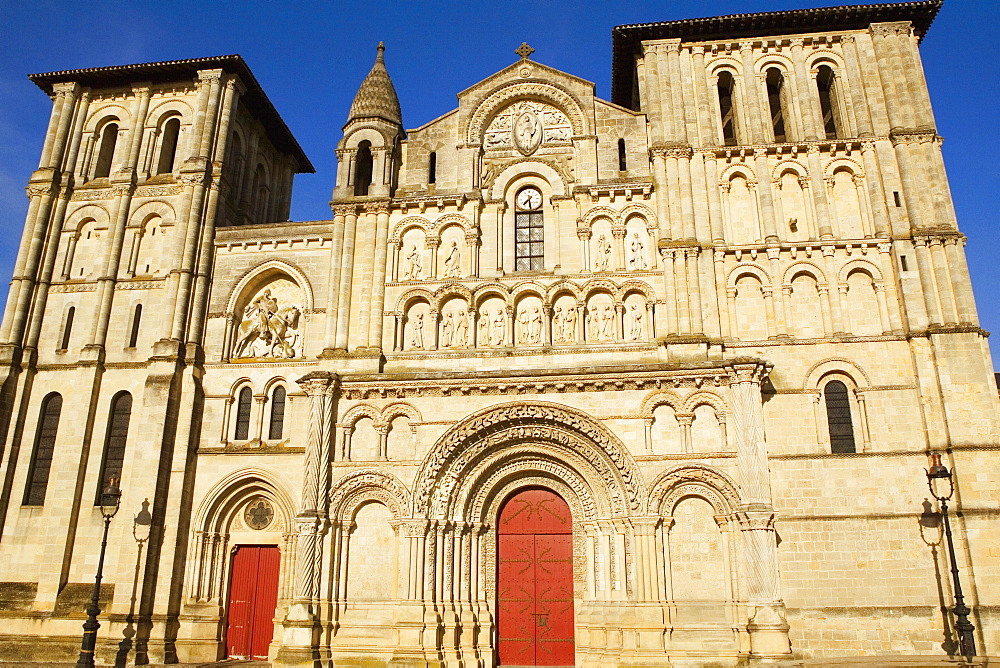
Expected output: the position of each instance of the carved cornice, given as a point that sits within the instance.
(671, 151)
(914, 136)
(496, 384)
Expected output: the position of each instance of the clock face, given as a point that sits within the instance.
(529, 199)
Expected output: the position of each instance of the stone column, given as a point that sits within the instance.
(618, 236)
(333, 276)
(377, 320)
(346, 276)
(767, 626)
(808, 100)
(862, 114)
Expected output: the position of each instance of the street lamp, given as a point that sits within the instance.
(111, 497)
(942, 487)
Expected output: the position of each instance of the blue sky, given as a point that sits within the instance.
(311, 56)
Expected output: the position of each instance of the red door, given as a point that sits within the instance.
(253, 595)
(535, 580)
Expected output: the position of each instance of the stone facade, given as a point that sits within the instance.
(726, 318)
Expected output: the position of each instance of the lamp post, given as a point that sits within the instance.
(111, 497)
(942, 487)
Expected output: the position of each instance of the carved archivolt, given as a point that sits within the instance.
(511, 92)
(360, 487)
(694, 480)
(228, 498)
(548, 431)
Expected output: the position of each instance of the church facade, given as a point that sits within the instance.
(563, 381)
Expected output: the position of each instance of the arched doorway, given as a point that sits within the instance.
(535, 580)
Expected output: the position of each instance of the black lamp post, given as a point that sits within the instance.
(111, 496)
(942, 487)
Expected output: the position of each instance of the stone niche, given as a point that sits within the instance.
(270, 321)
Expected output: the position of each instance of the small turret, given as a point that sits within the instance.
(368, 155)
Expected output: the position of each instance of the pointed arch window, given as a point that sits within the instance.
(775, 81)
(133, 336)
(168, 145)
(826, 83)
(106, 151)
(113, 460)
(67, 328)
(277, 423)
(838, 417)
(243, 404)
(727, 108)
(363, 169)
(41, 453)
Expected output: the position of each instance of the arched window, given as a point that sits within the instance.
(277, 423)
(258, 207)
(106, 151)
(242, 432)
(41, 453)
(432, 164)
(363, 169)
(838, 417)
(775, 81)
(622, 162)
(727, 108)
(826, 83)
(168, 145)
(114, 442)
(529, 248)
(67, 328)
(133, 336)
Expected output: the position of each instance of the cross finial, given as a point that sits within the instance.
(524, 50)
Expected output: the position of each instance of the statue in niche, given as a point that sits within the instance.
(267, 330)
(447, 330)
(497, 330)
(452, 263)
(417, 332)
(527, 132)
(558, 318)
(523, 321)
(635, 322)
(603, 253)
(461, 329)
(607, 321)
(535, 326)
(593, 324)
(413, 265)
(484, 328)
(638, 259)
(569, 325)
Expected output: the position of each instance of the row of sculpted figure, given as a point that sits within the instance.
(494, 324)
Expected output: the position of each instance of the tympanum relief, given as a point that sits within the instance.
(270, 322)
(526, 126)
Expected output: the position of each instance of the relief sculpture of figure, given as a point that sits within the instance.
(527, 130)
(417, 332)
(461, 329)
(535, 327)
(447, 330)
(607, 320)
(452, 268)
(635, 322)
(603, 253)
(569, 325)
(523, 329)
(498, 328)
(413, 265)
(557, 325)
(484, 328)
(593, 324)
(638, 259)
(264, 322)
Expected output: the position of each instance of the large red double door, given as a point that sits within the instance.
(253, 596)
(535, 580)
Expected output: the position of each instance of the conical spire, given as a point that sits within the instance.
(376, 97)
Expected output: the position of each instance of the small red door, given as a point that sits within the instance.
(253, 595)
(535, 580)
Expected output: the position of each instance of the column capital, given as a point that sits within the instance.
(316, 382)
